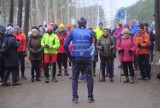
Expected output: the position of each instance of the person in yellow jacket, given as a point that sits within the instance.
(99, 31)
(50, 42)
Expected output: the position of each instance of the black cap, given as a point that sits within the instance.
(145, 24)
(141, 26)
(82, 22)
(100, 24)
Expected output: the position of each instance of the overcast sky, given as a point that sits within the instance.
(126, 3)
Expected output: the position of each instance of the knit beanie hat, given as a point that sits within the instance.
(50, 28)
(2, 29)
(70, 25)
(82, 22)
(10, 30)
(17, 27)
(125, 31)
(61, 26)
(34, 30)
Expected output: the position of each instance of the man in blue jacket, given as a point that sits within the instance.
(83, 48)
(133, 28)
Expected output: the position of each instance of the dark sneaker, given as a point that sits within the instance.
(66, 74)
(38, 79)
(147, 78)
(106, 75)
(32, 80)
(59, 74)
(75, 100)
(111, 80)
(16, 84)
(102, 80)
(47, 80)
(141, 78)
(122, 74)
(6, 84)
(54, 80)
(91, 100)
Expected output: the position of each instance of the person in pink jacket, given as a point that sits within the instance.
(118, 31)
(126, 47)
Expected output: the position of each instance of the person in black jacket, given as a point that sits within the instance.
(152, 40)
(2, 61)
(36, 53)
(11, 58)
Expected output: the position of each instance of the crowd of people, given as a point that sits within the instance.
(78, 48)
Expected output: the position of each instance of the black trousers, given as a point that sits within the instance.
(109, 61)
(14, 71)
(62, 59)
(135, 61)
(22, 63)
(53, 70)
(126, 66)
(94, 67)
(144, 66)
(2, 68)
(35, 68)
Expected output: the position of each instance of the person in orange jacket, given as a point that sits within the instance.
(143, 41)
(20, 37)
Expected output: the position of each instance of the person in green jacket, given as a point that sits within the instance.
(51, 43)
(106, 46)
(99, 31)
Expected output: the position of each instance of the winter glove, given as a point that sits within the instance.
(130, 52)
(110, 48)
(139, 45)
(24, 53)
(102, 48)
(92, 48)
(46, 46)
(71, 58)
(121, 50)
(18, 43)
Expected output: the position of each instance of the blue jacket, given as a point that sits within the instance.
(81, 42)
(134, 30)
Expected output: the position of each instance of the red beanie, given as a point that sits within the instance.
(50, 28)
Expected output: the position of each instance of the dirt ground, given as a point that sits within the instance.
(144, 94)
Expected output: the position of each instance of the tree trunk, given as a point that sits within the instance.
(11, 11)
(19, 17)
(26, 20)
(157, 24)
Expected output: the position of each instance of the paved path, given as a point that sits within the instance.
(144, 94)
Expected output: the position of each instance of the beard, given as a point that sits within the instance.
(49, 32)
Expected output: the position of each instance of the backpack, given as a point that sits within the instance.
(4, 48)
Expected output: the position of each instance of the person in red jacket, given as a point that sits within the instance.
(62, 56)
(126, 47)
(20, 37)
